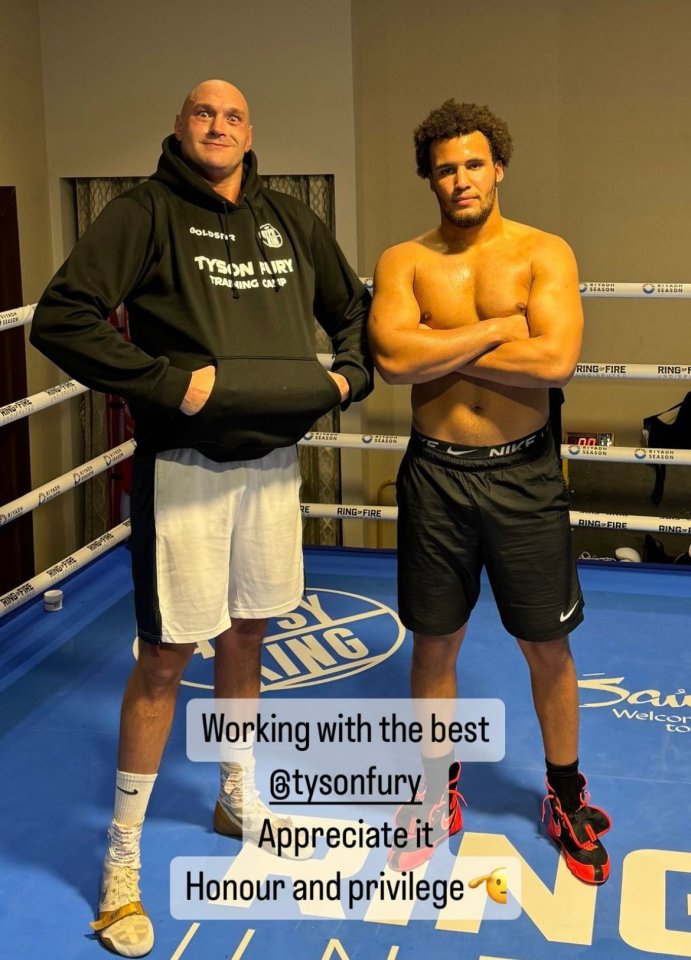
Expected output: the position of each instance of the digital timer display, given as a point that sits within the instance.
(583, 439)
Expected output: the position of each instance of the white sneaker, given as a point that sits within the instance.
(122, 924)
(240, 812)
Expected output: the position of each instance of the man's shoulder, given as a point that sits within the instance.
(409, 252)
(534, 239)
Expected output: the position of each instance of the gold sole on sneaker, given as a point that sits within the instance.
(133, 939)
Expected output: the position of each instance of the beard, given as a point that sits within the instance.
(471, 218)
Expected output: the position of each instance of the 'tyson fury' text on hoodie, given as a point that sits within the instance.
(206, 281)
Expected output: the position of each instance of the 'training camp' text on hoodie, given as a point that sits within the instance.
(206, 281)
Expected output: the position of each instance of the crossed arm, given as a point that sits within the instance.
(538, 351)
(555, 319)
(408, 351)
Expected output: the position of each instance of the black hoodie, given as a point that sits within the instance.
(206, 281)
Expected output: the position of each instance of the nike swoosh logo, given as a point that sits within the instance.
(131, 793)
(459, 453)
(565, 616)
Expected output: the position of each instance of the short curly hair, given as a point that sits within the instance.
(454, 119)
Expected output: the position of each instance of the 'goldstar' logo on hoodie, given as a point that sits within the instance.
(270, 236)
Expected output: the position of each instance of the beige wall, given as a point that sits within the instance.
(23, 164)
(625, 135)
(597, 95)
(116, 74)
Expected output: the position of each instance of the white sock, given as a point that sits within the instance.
(229, 772)
(132, 792)
(241, 752)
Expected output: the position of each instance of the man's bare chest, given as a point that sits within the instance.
(454, 290)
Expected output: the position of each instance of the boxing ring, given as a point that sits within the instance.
(62, 675)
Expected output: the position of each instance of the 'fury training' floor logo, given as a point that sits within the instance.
(330, 635)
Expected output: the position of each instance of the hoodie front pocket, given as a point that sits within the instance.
(259, 389)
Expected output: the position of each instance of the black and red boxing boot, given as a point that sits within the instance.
(578, 834)
(429, 821)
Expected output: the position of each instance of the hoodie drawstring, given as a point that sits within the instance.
(225, 230)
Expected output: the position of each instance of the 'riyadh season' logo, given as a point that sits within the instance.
(329, 636)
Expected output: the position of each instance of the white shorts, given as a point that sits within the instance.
(214, 541)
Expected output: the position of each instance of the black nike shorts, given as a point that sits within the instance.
(504, 508)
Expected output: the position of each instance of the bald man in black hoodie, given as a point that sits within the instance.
(221, 279)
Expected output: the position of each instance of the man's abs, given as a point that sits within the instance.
(466, 411)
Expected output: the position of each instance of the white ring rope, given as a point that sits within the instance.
(635, 291)
(64, 568)
(605, 371)
(374, 441)
(610, 521)
(602, 289)
(611, 288)
(39, 401)
(650, 455)
(624, 522)
(633, 371)
(347, 511)
(16, 318)
(380, 441)
(68, 481)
